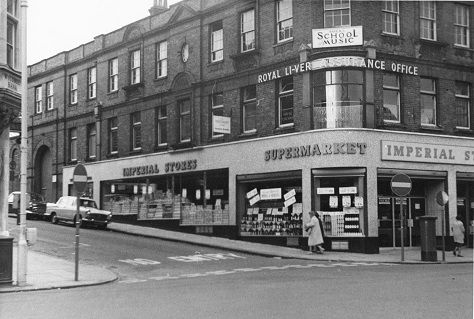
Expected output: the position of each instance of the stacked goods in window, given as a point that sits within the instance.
(351, 223)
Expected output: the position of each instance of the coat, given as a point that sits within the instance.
(458, 231)
(315, 232)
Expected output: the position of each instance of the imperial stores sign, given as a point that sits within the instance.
(153, 169)
(427, 153)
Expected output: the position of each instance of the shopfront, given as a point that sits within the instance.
(266, 194)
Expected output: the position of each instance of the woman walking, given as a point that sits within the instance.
(315, 233)
(458, 234)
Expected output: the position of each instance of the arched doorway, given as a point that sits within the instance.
(42, 183)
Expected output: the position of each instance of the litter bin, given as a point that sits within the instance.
(6, 259)
(428, 238)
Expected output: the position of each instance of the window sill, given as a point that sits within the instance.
(112, 155)
(162, 78)
(161, 148)
(212, 63)
(286, 41)
(72, 162)
(431, 128)
(133, 87)
(112, 92)
(285, 129)
(391, 35)
(242, 55)
(91, 159)
(459, 47)
(463, 130)
(134, 152)
(434, 43)
(248, 134)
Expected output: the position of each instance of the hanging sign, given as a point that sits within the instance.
(254, 199)
(346, 201)
(325, 190)
(359, 201)
(333, 201)
(289, 194)
(348, 190)
(270, 193)
(290, 201)
(252, 193)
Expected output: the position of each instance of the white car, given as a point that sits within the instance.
(65, 211)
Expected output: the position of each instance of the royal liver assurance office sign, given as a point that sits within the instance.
(427, 153)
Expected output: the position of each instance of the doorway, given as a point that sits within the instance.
(389, 221)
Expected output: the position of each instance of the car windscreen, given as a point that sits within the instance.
(88, 203)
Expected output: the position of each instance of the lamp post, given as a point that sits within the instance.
(22, 244)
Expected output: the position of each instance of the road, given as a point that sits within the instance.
(162, 279)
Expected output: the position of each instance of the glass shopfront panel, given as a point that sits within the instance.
(198, 198)
(339, 199)
(270, 205)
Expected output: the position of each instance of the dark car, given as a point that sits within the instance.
(36, 205)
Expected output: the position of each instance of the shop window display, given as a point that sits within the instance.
(272, 209)
(340, 204)
(199, 198)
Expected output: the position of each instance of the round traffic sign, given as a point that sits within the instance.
(79, 178)
(442, 198)
(401, 184)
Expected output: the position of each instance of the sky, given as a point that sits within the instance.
(55, 26)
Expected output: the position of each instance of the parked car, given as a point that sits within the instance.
(36, 207)
(65, 211)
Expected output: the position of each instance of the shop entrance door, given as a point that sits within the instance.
(390, 221)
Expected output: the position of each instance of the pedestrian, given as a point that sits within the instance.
(458, 235)
(315, 233)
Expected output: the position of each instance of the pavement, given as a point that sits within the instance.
(48, 272)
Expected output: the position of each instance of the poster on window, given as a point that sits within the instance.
(359, 201)
(252, 193)
(221, 124)
(270, 193)
(254, 199)
(333, 201)
(346, 201)
(290, 194)
(325, 190)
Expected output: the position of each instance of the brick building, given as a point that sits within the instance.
(235, 118)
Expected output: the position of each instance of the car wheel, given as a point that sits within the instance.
(54, 219)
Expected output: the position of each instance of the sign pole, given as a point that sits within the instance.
(79, 179)
(442, 199)
(402, 226)
(77, 224)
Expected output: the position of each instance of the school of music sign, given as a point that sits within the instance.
(337, 37)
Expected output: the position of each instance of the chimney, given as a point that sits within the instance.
(159, 6)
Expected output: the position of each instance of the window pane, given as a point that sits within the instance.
(427, 85)
(390, 105)
(462, 112)
(428, 109)
(286, 109)
(250, 113)
(462, 88)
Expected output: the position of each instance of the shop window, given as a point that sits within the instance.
(249, 109)
(184, 108)
(135, 67)
(162, 59)
(463, 105)
(285, 102)
(461, 25)
(73, 89)
(272, 206)
(38, 99)
(50, 95)
(91, 141)
(217, 42)
(337, 13)
(285, 20)
(113, 135)
(428, 101)
(195, 199)
(217, 109)
(73, 144)
(136, 128)
(162, 126)
(428, 20)
(338, 96)
(391, 17)
(113, 75)
(339, 200)
(247, 31)
(91, 83)
(391, 98)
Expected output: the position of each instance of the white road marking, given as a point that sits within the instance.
(140, 261)
(233, 271)
(131, 281)
(205, 257)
